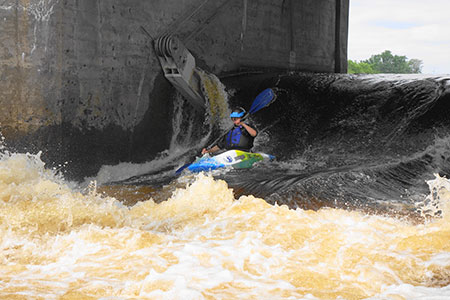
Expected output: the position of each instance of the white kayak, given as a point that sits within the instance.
(235, 159)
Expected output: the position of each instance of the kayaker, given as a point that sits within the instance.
(240, 137)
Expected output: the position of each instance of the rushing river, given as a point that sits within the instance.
(356, 206)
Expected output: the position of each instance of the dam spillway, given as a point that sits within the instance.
(81, 81)
(355, 206)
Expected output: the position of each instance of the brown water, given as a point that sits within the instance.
(201, 243)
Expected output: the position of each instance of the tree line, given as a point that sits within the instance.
(385, 62)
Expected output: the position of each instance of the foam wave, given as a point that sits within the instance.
(58, 242)
(37, 200)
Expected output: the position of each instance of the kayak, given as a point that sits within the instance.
(235, 159)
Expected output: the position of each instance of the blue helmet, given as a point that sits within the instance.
(238, 112)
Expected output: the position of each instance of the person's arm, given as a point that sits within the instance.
(249, 129)
(212, 150)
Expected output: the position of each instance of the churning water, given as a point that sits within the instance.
(357, 206)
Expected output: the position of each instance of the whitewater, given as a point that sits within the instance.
(357, 205)
(203, 243)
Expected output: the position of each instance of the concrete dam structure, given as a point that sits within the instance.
(81, 82)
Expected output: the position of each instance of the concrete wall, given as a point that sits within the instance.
(287, 34)
(79, 78)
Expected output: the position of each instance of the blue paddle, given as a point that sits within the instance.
(264, 99)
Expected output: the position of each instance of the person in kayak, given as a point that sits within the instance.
(240, 137)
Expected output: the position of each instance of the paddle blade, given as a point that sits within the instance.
(182, 168)
(262, 100)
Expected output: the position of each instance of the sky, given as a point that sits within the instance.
(413, 28)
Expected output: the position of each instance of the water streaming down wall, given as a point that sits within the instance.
(190, 132)
(80, 80)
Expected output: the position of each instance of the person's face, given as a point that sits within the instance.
(236, 121)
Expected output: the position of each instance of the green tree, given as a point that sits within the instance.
(415, 65)
(386, 62)
(359, 68)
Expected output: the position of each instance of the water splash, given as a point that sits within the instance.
(2, 143)
(59, 242)
(217, 100)
(183, 127)
(437, 202)
(186, 137)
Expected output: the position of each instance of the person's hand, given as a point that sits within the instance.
(250, 130)
(237, 121)
(204, 151)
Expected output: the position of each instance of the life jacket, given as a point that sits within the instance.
(236, 139)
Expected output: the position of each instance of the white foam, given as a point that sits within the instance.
(410, 292)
